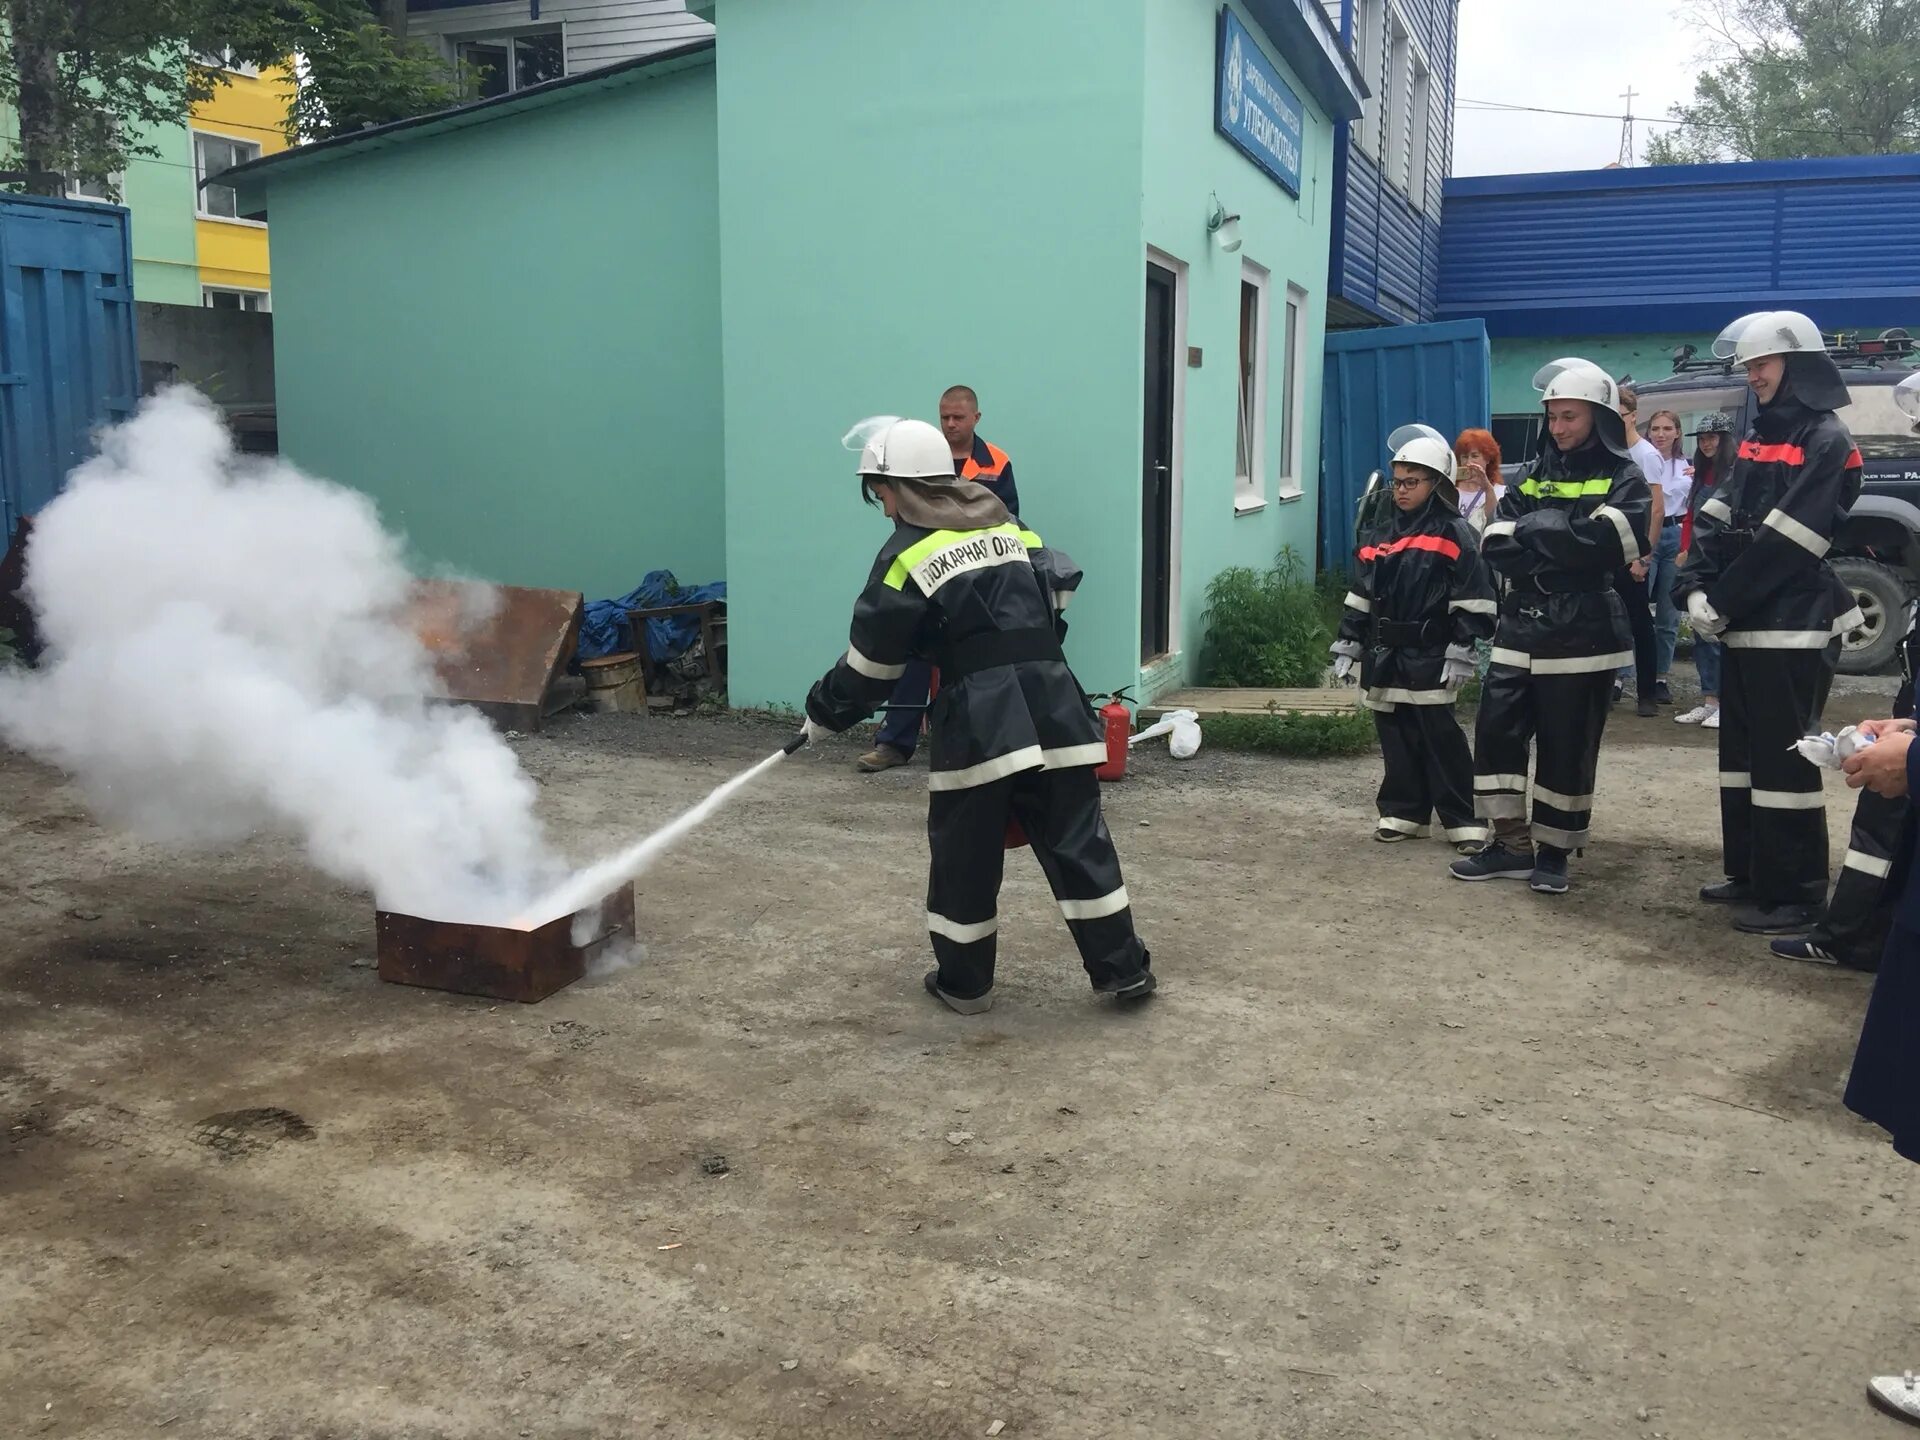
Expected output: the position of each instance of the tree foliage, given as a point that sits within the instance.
(91, 79)
(1788, 79)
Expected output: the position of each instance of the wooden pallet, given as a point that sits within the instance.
(1251, 702)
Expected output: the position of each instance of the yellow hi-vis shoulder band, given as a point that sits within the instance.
(1565, 489)
(945, 553)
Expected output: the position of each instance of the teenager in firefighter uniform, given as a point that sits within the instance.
(960, 583)
(1757, 580)
(1420, 598)
(1558, 538)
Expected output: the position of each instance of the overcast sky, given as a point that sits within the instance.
(1580, 56)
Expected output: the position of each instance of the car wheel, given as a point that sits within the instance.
(1881, 594)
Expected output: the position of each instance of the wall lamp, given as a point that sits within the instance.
(1224, 228)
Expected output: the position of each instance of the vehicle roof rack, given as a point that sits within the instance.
(1846, 347)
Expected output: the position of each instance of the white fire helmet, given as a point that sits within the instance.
(1768, 332)
(1422, 445)
(892, 448)
(1572, 378)
(1907, 396)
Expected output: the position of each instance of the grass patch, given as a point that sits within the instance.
(1290, 732)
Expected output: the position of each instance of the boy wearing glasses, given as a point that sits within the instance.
(1421, 597)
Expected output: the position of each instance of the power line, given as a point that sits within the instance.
(1502, 106)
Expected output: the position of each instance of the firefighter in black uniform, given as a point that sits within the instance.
(1420, 598)
(1853, 931)
(960, 583)
(1757, 579)
(1560, 534)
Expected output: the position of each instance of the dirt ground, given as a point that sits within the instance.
(1388, 1156)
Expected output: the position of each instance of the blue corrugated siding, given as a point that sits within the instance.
(67, 358)
(1684, 248)
(1387, 255)
(1377, 380)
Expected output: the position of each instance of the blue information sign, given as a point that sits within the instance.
(1254, 108)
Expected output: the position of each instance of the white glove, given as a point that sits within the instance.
(813, 730)
(1343, 668)
(1706, 620)
(1456, 672)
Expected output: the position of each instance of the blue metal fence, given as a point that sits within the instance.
(1378, 380)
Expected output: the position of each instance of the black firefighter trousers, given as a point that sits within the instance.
(1860, 911)
(1428, 768)
(1773, 816)
(1060, 812)
(1560, 705)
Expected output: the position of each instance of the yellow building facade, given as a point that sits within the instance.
(242, 120)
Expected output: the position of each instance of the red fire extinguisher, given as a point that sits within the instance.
(1116, 724)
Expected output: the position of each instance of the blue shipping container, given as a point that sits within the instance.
(67, 358)
(1378, 380)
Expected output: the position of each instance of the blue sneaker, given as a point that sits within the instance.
(1496, 862)
(1550, 872)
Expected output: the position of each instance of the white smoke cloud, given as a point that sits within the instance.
(225, 656)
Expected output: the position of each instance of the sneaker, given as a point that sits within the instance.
(1496, 862)
(1727, 892)
(881, 757)
(1696, 715)
(1549, 872)
(1619, 689)
(1645, 708)
(1661, 694)
(1805, 948)
(1776, 919)
(1896, 1394)
(978, 1005)
(1389, 837)
(1712, 722)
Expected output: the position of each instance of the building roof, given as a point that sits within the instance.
(253, 178)
(1684, 248)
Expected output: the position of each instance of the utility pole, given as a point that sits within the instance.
(1626, 129)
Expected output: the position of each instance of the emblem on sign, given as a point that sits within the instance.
(1236, 72)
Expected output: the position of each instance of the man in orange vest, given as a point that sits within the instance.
(973, 459)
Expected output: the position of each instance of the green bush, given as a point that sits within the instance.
(1266, 629)
(1290, 732)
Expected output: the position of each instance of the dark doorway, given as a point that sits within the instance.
(1156, 481)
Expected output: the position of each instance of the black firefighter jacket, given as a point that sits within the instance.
(1760, 540)
(1559, 536)
(983, 606)
(1419, 589)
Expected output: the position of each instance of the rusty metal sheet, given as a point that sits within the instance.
(493, 960)
(498, 648)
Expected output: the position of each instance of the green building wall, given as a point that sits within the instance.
(509, 336)
(1187, 164)
(972, 202)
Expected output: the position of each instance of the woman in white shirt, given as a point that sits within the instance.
(1670, 473)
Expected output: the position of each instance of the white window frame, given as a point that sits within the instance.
(1250, 419)
(1420, 134)
(200, 175)
(116, 181)
(265, 307)
(1369, 46)
(1290, 387)
(509, 38)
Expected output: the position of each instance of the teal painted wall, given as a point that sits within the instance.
(158, 192)
(911, 197)
(508, 335)
(1186, 163)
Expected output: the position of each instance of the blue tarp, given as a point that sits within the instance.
(605, 629)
